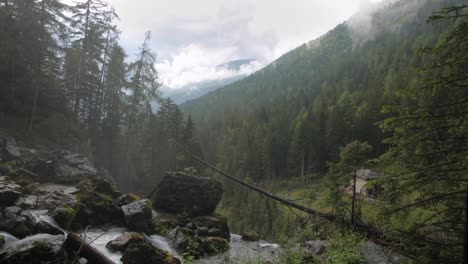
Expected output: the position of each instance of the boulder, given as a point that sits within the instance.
(105, 187)
(179, 193)
(2, 241)
(145, 253)
(96, 209)
(9, 192)
(215, 226)
(47, 228)
(8, 149)
(63, 216)
(19, 224)
(41, 248)
(69, 168)
(214, 245)
(127, 198)
(250, 236)
(316, 247)
(122, 242)
(138, 215)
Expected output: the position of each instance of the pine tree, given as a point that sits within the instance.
(429, 143)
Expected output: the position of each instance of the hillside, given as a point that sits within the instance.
(294, 114)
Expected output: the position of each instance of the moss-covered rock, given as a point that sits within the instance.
(163, 226)
(127, 198)
(214, 245)
(64, 216)
(143, 252)
(122, 242)
(250, 236)
(97, 209)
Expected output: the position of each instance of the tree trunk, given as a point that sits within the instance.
(354, 198)
(82, 249)
(465, 240)
(39, 69)
(302, 167)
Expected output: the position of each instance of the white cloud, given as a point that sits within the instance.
(191, 37)
(192, 64)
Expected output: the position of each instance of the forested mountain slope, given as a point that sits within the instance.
(294, 115)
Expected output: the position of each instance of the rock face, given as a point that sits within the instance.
(144, 253)
(179, 192)
(67, 167)
(9, 192)
(8, 149)
(138, 215)
(35, 249)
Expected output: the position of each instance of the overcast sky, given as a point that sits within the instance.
(192, 37)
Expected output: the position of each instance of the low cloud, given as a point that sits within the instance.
(192, 37)
(191, 65)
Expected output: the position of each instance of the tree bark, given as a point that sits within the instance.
(79, 246)
(354, 198)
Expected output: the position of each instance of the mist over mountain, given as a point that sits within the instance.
(228, 73)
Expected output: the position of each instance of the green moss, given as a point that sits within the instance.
(138, 237)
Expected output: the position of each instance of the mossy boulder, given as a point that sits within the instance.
(122, 242)
(138, 215)
(250, 236)
(97, 209)
(163, 226)
(179, 192)
(64, 216)
(105, 187)
(145, 253)
(127, 198)
(214, 245)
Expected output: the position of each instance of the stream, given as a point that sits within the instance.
(98, 237)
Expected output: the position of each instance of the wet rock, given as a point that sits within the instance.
(9, 149)
(316, 247)
(138, 215)
(97, 209)
(122, 242)
(2, 241)
(9, 192)
(178, 237)
(213, 225)
(47, 228)
(145, 253)
(213, 245)
(67, 167)
(162, 226)
(179, 192)
(63, 216)
(15, 222)
(250, 236)
(105, 187)
(127, 198)
(41, 248)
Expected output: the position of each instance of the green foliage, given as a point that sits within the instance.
(343, 249)
(428, 138)
(340, 174)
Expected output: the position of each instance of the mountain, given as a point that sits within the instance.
(295, 114)
(236, 70)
